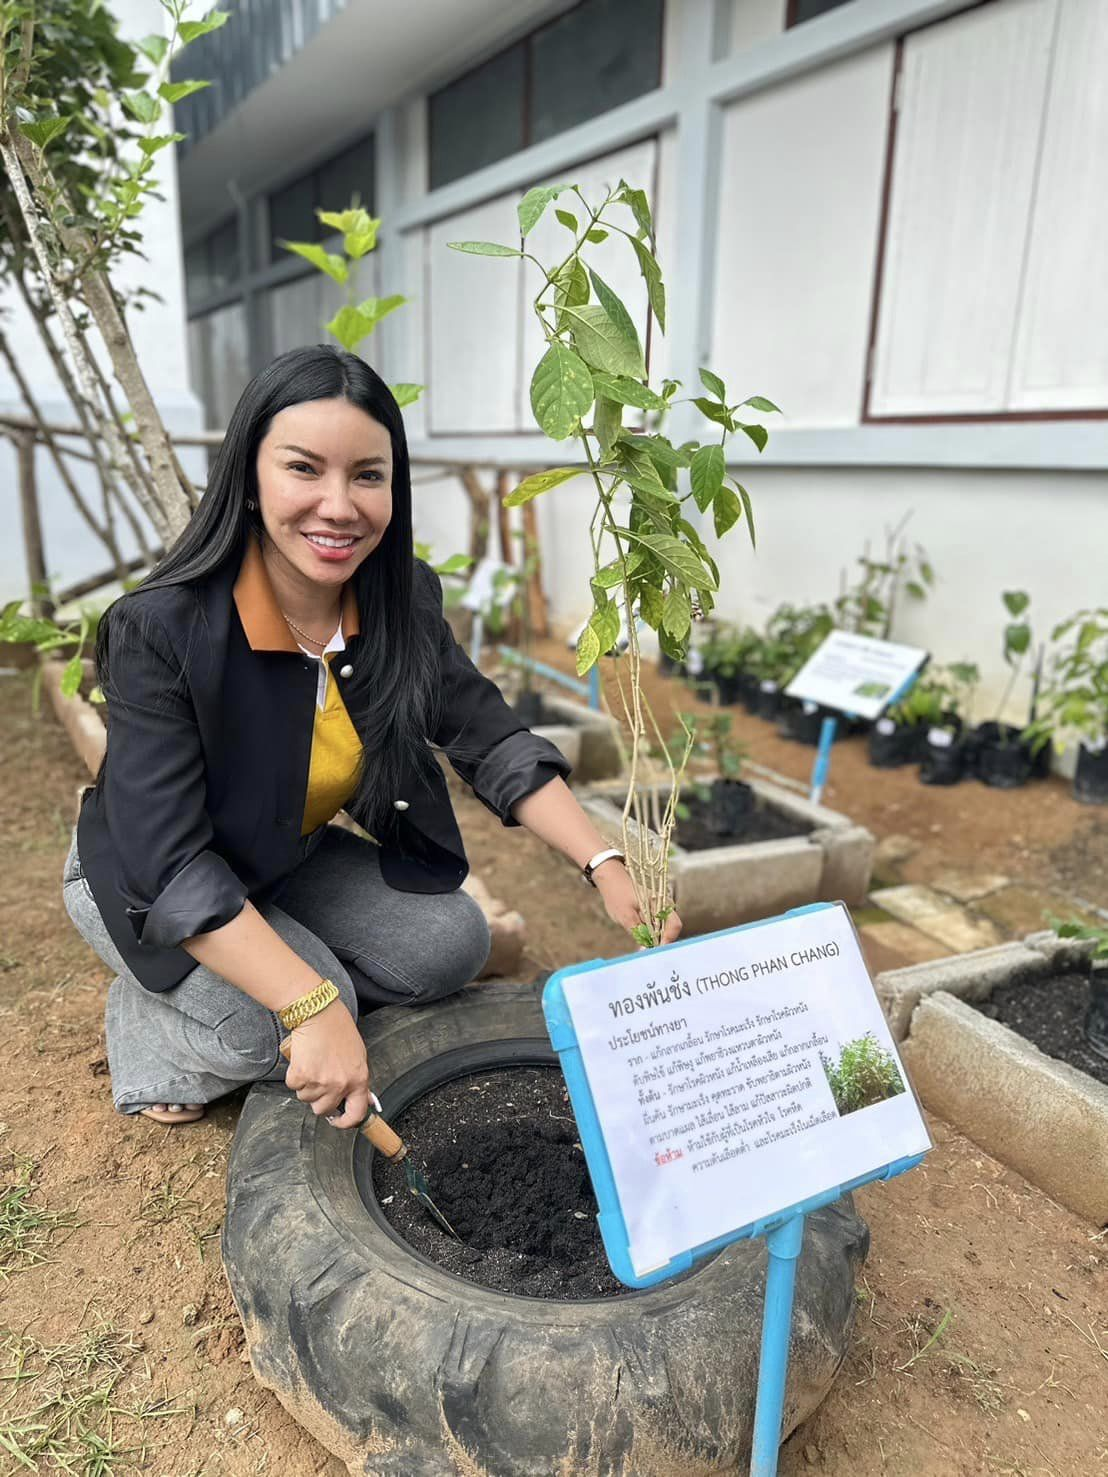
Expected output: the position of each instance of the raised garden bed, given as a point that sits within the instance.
(589, 739)
(406, 1367)
(1044, 1115)
(826, 858)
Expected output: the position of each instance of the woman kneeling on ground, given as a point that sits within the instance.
(286, 660)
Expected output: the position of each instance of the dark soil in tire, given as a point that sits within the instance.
(505, 1167)
(1051, 1014)
(705, 826)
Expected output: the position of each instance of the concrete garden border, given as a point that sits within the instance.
(1042, 1117)
(589, 739)
(832, 861)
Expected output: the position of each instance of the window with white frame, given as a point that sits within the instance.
(993, 287)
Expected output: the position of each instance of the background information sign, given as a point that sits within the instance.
(736, 1076)
(859, 675)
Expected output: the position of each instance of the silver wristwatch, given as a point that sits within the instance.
(595, 861)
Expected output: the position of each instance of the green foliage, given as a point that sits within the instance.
(48, 637)
(62, 94)
(1094, 933)
(868, 606)
(355, 321)
(1075, 694)
(864, 1074)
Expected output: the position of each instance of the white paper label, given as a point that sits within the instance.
(721, 1074)
(940, 738)
(767, 686)
(856, 674)
(885, 725)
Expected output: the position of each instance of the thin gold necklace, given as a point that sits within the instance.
(315, 641)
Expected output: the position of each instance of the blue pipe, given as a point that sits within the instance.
(823, 759)
(582, 689)
(783, 1244)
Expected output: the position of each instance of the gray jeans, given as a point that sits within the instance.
(204, 1037)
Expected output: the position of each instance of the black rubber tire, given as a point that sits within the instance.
(406, 1371)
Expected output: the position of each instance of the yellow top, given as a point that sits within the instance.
(336, 758)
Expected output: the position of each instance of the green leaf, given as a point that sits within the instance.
(677, 613)
(1016, 601)
(714, 412)
(596, 235)
(714, 385)
(643, 935)
(141, 106)
(405, 393)
(617, 312)
(540, 482)
(571, 285)
(346, 221)
(748, 509)
(326, 261)
(606, 623)
(916, 590)
(588, 650)
(640, 206)
(707, 475)
(174, 92)
(561, 391)
(678, 559)
(611, 575)
(191, 30)
(1017, 638)
(759, 402)
(71, 677)
(726, 511)
(154, 48)
(568, 219)
(639, 472)
(627, 391)
(652, 276)
(607, 422)
(530, 209)
(483, 248)
(456, 564)
(651, 606)
(758, 434)
(601, 343)
(357, 244)
(43, 131)
(158, 142)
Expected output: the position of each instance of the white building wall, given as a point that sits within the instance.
(72, 551)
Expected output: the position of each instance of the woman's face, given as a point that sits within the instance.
(324, 488)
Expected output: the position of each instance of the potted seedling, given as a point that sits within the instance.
(1004, 755)
(948, 744)
(792, 634)
(726, 658)
(1074, 701)
(649, 559)
(899, 736)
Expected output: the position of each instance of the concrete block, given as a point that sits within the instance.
(1063, 953)
(599, 752)
(737, 884)
(1038, 1115)
(565, 738)
(848, 853)
(506, 927)
(969, 976)
(967, 887)
(944, 920)
(81, 721)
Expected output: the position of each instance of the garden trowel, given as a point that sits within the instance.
(388, 1142)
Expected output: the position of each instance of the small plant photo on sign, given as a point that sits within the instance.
(865, 1074)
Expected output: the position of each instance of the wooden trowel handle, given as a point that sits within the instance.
(383, 1138)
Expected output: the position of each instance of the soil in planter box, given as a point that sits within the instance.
(1050, 1013)
(701, 829)
(505, 1166)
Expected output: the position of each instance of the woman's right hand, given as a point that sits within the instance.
(327, 1063)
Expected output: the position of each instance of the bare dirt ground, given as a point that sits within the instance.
(982, 1337)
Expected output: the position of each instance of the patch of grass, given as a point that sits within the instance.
(917, 1327)
(170, 1202)
(66, 1410)
(26, 1226)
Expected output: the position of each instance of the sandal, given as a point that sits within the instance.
(173, 1115)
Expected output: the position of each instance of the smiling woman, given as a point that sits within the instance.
(203, 869)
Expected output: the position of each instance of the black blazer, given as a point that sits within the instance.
(200, 800)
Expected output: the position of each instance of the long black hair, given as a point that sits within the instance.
(392, 696)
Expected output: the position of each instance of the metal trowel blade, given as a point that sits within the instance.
(417, 1185)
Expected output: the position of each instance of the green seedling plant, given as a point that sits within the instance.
(48, 636)
(713, 740)
(358, 318)
(925, 702)
(649, 559)
(864, 1074)
(792, 634)
(1075, 696)
(1094, 933)
(868, 606)
(1016, 644)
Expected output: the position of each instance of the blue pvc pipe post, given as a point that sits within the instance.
(823, 759)
(594, 688)
(783, 1245)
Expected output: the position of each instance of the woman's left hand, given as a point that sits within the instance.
(613, 882)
